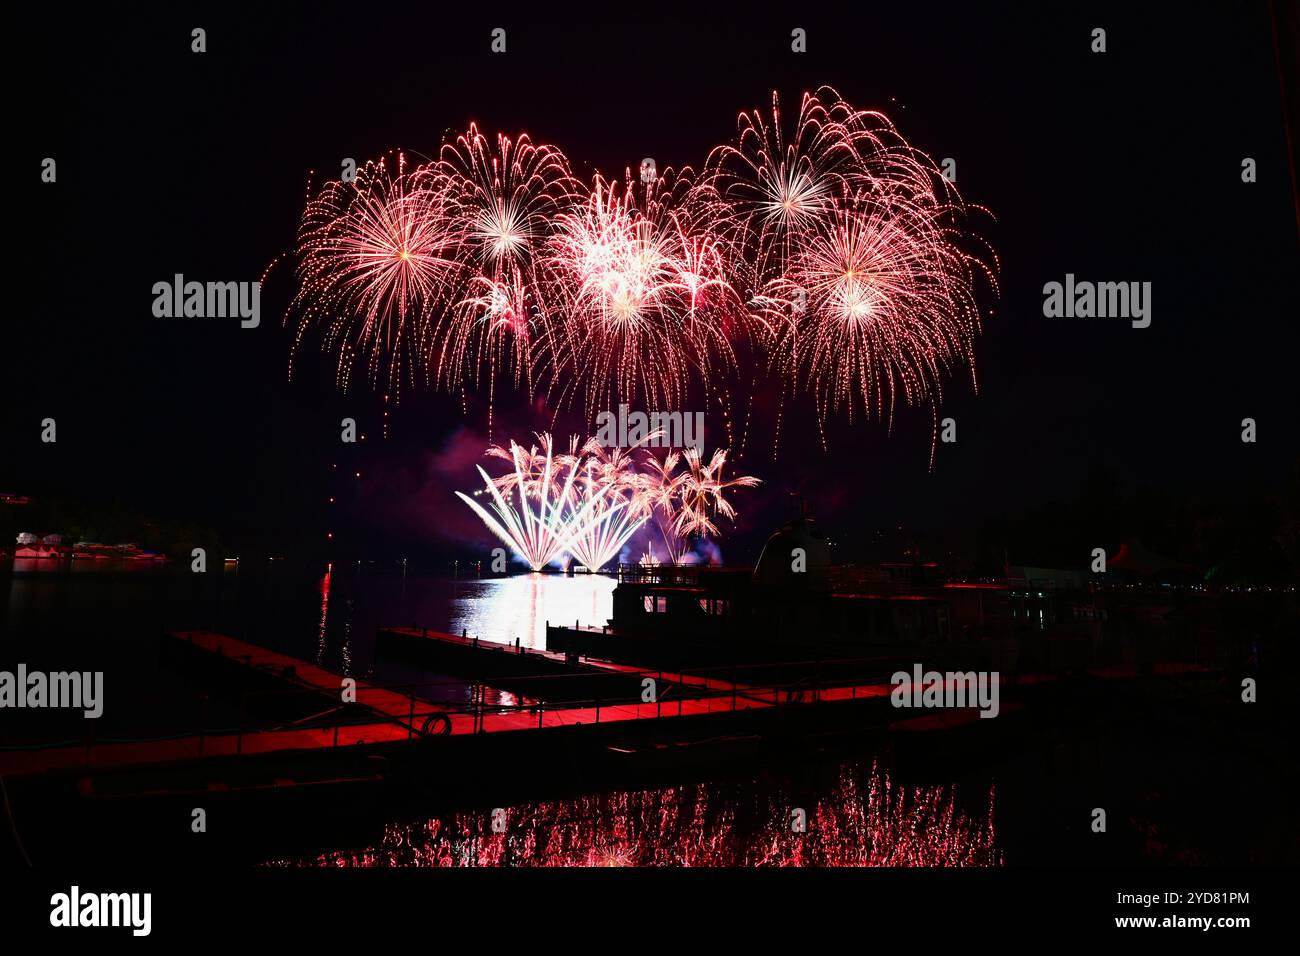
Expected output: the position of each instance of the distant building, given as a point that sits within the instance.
(1047, 579)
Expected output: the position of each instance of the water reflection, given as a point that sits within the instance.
(323, 627)
(502, 609)
(328, 614)
(863, 819)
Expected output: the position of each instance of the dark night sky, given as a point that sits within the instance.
(1122, 166)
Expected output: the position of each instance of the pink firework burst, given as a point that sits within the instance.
(646, 292)
(502, 199)
(888, 308)
(819, 248)
(374, 260)
(860, 254)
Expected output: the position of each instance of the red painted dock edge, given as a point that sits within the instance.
(397, 716)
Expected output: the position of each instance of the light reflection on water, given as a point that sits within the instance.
(502, 609)
(328, 615)
(862, 819)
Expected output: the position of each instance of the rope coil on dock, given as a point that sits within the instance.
(436, 725)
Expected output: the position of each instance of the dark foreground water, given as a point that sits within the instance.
(327, 615)
(109, 616)
(1181, 786)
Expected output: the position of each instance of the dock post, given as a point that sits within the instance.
(410, 721)
(540, 708)
(597, 711)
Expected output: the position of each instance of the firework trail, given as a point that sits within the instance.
(702, 488)
(619, 506)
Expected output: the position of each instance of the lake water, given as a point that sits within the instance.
(326, 615)
(111, 618)
(108, 616)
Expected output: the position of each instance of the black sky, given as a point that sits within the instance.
(1121, 167)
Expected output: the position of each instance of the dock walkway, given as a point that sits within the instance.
(384, 715)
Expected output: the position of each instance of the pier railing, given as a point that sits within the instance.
(392, 712)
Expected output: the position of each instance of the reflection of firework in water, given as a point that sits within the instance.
(829, 243)
(865, 820)
(590, 501)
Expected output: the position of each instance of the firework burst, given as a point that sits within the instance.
(543, 524)
(610, 483)
(374, 260)
(646, 294)
(888, 309)
(822, 239)
(859, 252)
(591, 500)
(501, 200)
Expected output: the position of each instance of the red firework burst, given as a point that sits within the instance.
(502, 199)
(374, 259)
(646, 292)
(831, 243)
(859, 251)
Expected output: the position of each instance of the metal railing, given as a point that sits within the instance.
(425, 718)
